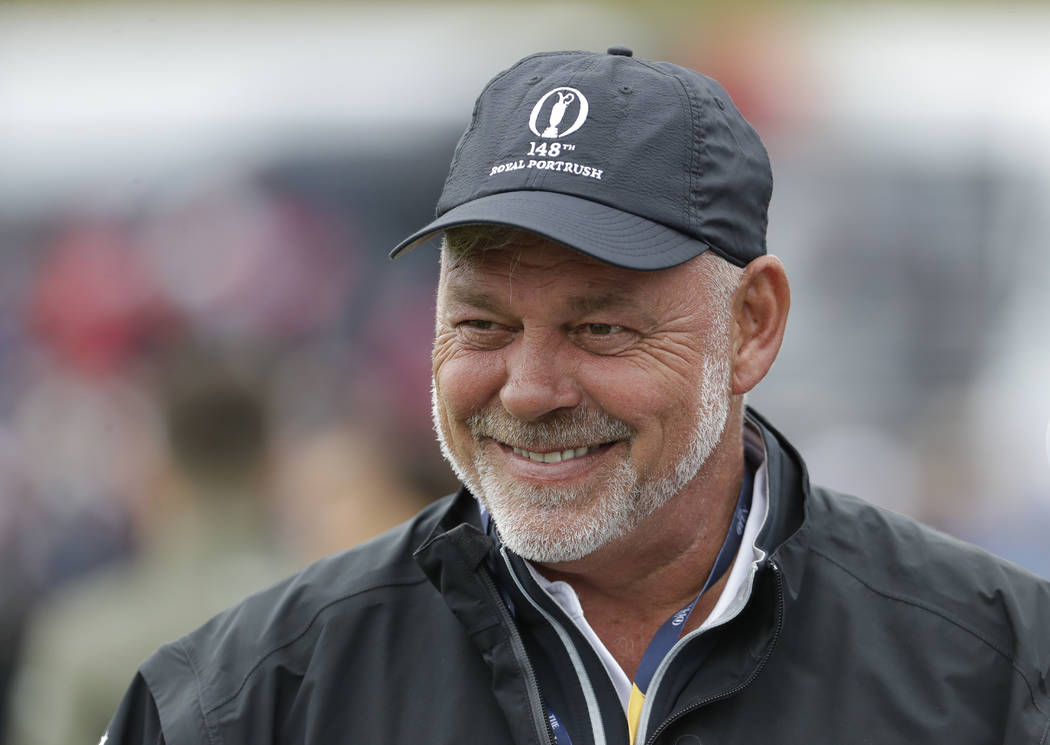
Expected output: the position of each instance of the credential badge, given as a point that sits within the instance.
(558, 102)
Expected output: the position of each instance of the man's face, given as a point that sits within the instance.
(572, 397)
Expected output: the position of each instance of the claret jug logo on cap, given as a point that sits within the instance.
(559, 113)
(554, 106)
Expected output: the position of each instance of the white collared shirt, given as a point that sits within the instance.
(734, 595)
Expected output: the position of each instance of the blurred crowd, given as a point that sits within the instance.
(200, 393)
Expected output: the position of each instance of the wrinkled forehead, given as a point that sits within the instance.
(530, 270)
(472, 241)
(526, 262)
(515, 250)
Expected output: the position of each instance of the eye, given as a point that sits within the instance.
(478, 333)
(601, 329)
(603, 338)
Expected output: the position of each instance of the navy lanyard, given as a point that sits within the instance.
(668, 634)
(671, 630)
(561, 735)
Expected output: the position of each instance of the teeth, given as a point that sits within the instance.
(555, 457)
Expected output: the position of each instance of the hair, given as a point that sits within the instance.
(466, 241)
(720, 277)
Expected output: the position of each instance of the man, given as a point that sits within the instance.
(635, 555)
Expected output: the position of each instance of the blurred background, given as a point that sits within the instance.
(210, 373)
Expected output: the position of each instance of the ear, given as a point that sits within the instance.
(760, 310)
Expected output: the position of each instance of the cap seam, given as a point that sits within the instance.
(459, 148)
(697, 143)
(695, 146)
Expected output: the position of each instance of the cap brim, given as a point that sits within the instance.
(607, 234)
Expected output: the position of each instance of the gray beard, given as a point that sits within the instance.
(551, 525)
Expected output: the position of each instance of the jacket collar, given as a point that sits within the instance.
(789, 489)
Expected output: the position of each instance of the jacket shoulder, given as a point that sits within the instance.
(280, 627)
(903, 561)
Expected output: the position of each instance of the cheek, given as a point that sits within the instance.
(641, 395)
(465, 383)
(660, 404)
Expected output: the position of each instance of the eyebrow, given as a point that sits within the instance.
(579, 304)
(473, 298)
(582, 304)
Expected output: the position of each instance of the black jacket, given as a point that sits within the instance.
(861, 627)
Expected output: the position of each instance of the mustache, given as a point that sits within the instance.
(556, 431)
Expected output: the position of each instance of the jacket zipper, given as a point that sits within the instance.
(593, 711)
(733, 691)
(539, 711)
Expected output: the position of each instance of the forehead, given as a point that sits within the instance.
(526, 255)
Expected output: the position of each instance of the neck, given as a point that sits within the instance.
(633, 585)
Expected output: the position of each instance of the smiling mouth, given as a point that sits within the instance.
(556, 456)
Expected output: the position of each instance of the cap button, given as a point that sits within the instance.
(620, 51)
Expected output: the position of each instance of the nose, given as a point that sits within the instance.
(540, 377)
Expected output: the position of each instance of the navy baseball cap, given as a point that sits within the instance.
(639, 164)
